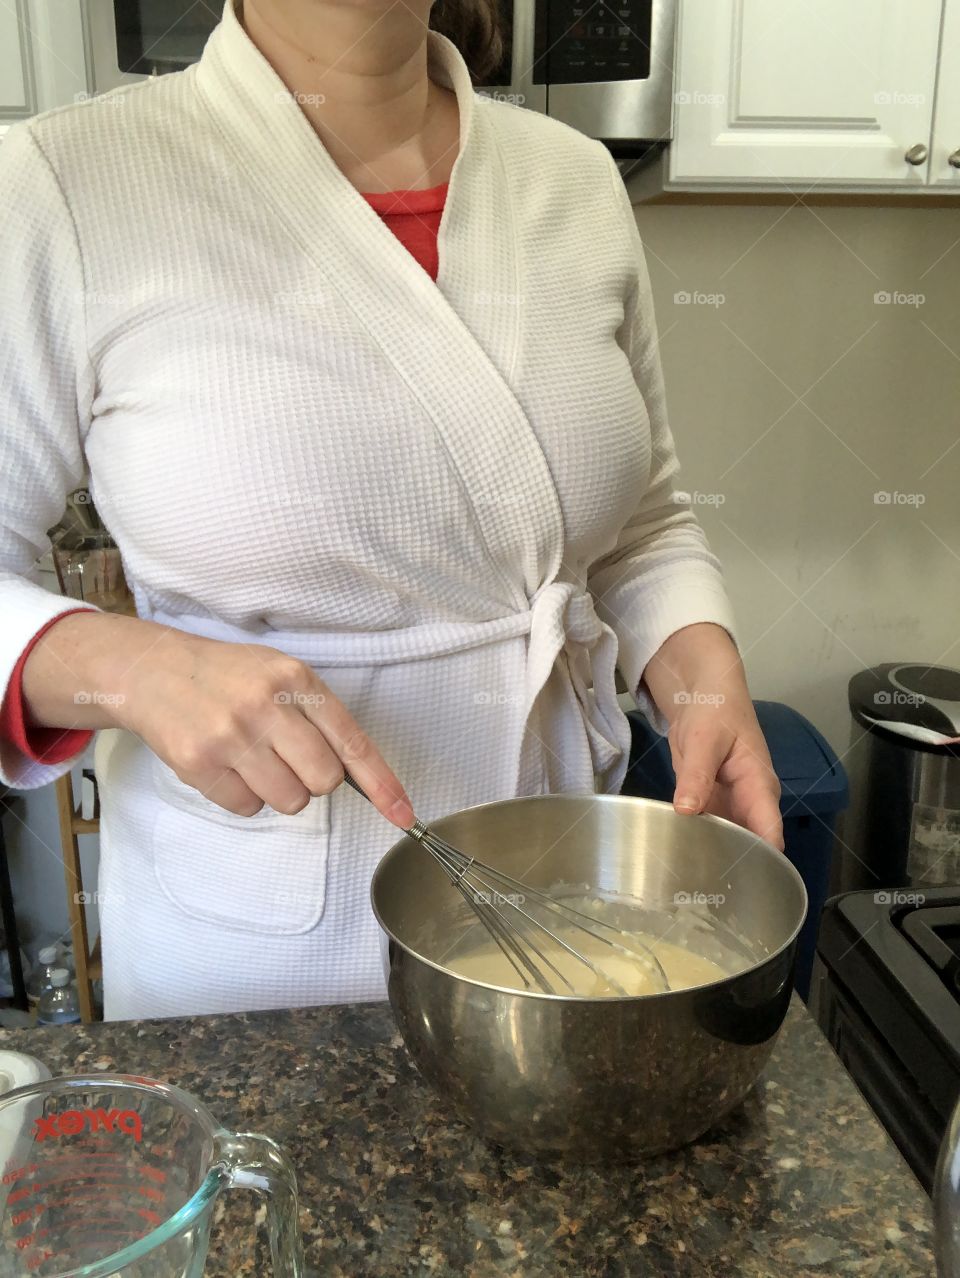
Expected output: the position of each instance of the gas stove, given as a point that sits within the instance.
(886, 992)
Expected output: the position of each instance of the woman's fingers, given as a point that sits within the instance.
(360, 757)
(752, 805)
(227, 789)
(305, 750)
(748, 791)
(754, 797)
(273, 780)
(247, 725)
(753, 787)
(726, 773)
(258, 777)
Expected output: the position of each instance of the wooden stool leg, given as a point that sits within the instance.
(73, 875)
(10, 926)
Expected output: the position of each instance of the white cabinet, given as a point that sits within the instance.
(16, 81)
(946, 115)
(42, 61)
(816, 94)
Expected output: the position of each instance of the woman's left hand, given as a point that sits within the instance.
(719, 754)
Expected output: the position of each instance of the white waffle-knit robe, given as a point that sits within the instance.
(454, 499)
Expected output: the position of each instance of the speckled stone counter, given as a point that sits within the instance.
(801, 1179)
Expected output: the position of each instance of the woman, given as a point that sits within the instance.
(380, 496)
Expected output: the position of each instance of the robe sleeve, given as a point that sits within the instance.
(46, 393)
(661, 575)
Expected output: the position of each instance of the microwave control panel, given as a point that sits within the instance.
(587, 42)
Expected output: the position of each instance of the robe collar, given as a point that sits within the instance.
(455, 342)
(250, 99)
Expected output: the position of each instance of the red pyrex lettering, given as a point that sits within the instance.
(72, 1121)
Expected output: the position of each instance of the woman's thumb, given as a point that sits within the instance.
(696, 770)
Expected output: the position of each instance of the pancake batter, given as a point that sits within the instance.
(633, 972)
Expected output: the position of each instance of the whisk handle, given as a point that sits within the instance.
(417, 829)
(359, 789)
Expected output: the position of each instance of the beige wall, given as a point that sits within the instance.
(824, 579)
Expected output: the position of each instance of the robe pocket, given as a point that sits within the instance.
(265, 874)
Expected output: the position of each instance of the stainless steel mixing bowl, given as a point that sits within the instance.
(591, 1078)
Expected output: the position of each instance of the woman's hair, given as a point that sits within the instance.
(474, 27)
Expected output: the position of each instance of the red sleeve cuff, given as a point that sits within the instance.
(42, 745)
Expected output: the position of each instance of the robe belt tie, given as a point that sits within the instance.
(567, 641)
(567, 635)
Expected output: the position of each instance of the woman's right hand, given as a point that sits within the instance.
(244, 724)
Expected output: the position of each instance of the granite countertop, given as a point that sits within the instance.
(800, 1180)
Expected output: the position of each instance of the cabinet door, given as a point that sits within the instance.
(946, 117)
(42, 62)
(18, 94)
(804, 92)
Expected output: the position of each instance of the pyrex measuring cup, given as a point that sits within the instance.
(114, 1174)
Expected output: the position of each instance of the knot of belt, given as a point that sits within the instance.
(568, 637)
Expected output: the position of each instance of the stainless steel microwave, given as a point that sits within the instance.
(604, 67)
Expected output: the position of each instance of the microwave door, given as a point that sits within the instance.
(101, 34)
(520, 77)
(130, 39)
(610, 70)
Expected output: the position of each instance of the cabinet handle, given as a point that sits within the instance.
(954, 160)
(917, 154)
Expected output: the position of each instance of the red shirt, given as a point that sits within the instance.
(414, 218)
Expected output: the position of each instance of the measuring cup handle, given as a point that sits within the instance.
(256, 1162)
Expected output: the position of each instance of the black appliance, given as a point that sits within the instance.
(886, 992)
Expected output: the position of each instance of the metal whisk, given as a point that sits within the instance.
(500, 902)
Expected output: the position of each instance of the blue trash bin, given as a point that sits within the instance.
(814, 793)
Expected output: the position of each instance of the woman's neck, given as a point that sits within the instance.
(359, 74)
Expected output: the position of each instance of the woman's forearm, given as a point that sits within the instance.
(696, 665)
(76, 674)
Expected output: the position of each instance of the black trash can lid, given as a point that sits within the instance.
(917, 704)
